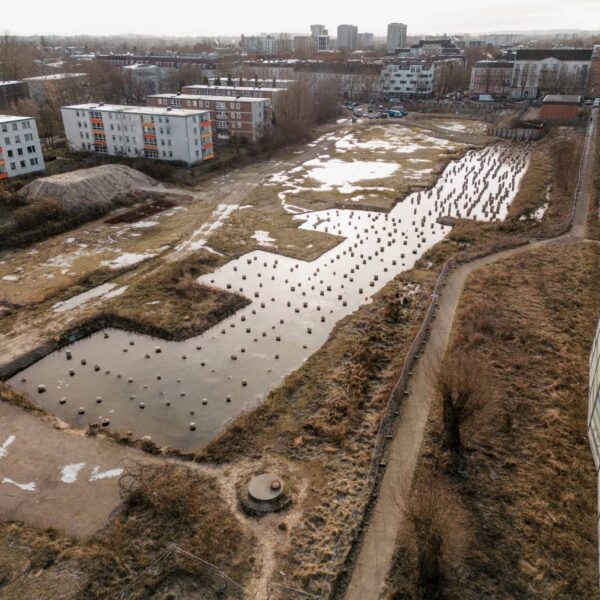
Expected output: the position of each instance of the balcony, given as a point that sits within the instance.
(97, 121)
(3, 175)
(148, 146)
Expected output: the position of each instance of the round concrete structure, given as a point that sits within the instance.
(265, 488)
(265, 494)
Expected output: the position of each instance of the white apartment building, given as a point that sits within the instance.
(408, 79)
(169, 134)
(246, 118)
(538, 72)
(396, 36)
(20, 148)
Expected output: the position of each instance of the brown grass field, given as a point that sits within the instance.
(526, 479)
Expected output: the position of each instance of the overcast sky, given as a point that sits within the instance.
(204, 18)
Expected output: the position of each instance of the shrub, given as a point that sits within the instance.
(38, 214)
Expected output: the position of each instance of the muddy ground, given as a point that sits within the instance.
(318, 426)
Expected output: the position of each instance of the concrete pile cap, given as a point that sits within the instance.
(265, 488)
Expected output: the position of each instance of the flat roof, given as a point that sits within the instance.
(235, 87)
(139, 110)
(561, 99)
(210, 97)
(56, 76)
(10, 118)
(10, 82)
(577, 54)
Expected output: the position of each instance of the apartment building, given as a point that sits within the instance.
(493, 77)
(356, 80)
(366, 41)
(408, 78)
(538, 72)
(11, 91)
(20, 148)
(284, 84)
(271, 93)
(247, 118)
(68, 87)
(347, 37)
(163, 133)
(396, 36)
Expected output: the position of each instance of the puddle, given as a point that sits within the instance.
(183, 393)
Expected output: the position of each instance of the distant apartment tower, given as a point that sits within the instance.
(396, 36)
(347, 37)
(176, 135)
(246, 118)
(321, 37)
(366, 41)
(317, 30)
(20, 148)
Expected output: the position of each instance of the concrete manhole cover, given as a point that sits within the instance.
(266, 493)
(265, 487)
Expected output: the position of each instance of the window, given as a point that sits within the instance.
(17, 139)
(4, 127)
(31, 149)
(13, 166)
(170, 154)
(7, 140)
(33, 161)
(10, 154)
(14, 126)
(151, 153)
(20, 151)
(23, 164)
(29, 137)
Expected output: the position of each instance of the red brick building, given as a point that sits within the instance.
(593, 90)
(560, 108)
(229, 116)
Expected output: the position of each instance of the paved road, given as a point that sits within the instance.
(375, 555)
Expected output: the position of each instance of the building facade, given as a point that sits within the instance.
(247, 118)
(594, 79)
(408, 78)
(396, 36)
(174, 135)
(68, 86)
(11, 91)
(560, 109)
(366, 41)
(493, 77)
(20, 148)
(347, 37)
(538, 72)
(237, 92)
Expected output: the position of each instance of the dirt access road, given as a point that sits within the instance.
(375, 555)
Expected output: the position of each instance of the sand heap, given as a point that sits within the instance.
(97, 186)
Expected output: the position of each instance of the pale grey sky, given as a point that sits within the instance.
(194, 17)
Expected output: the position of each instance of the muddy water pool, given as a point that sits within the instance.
(182, 394)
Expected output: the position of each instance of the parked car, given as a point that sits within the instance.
(597, 103)
(383, 115)
(588, 102)
(357, 112)
(371, 115)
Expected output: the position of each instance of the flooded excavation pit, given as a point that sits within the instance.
(182, 394)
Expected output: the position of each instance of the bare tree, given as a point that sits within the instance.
(461, 383)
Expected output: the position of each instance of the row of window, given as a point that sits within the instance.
(14, 126)
(34, 162)
(30, 150)
(28, 137)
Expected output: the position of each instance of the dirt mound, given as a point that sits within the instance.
(97, 186)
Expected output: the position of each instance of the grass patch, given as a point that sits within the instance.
(174, 305)
(528, 481)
